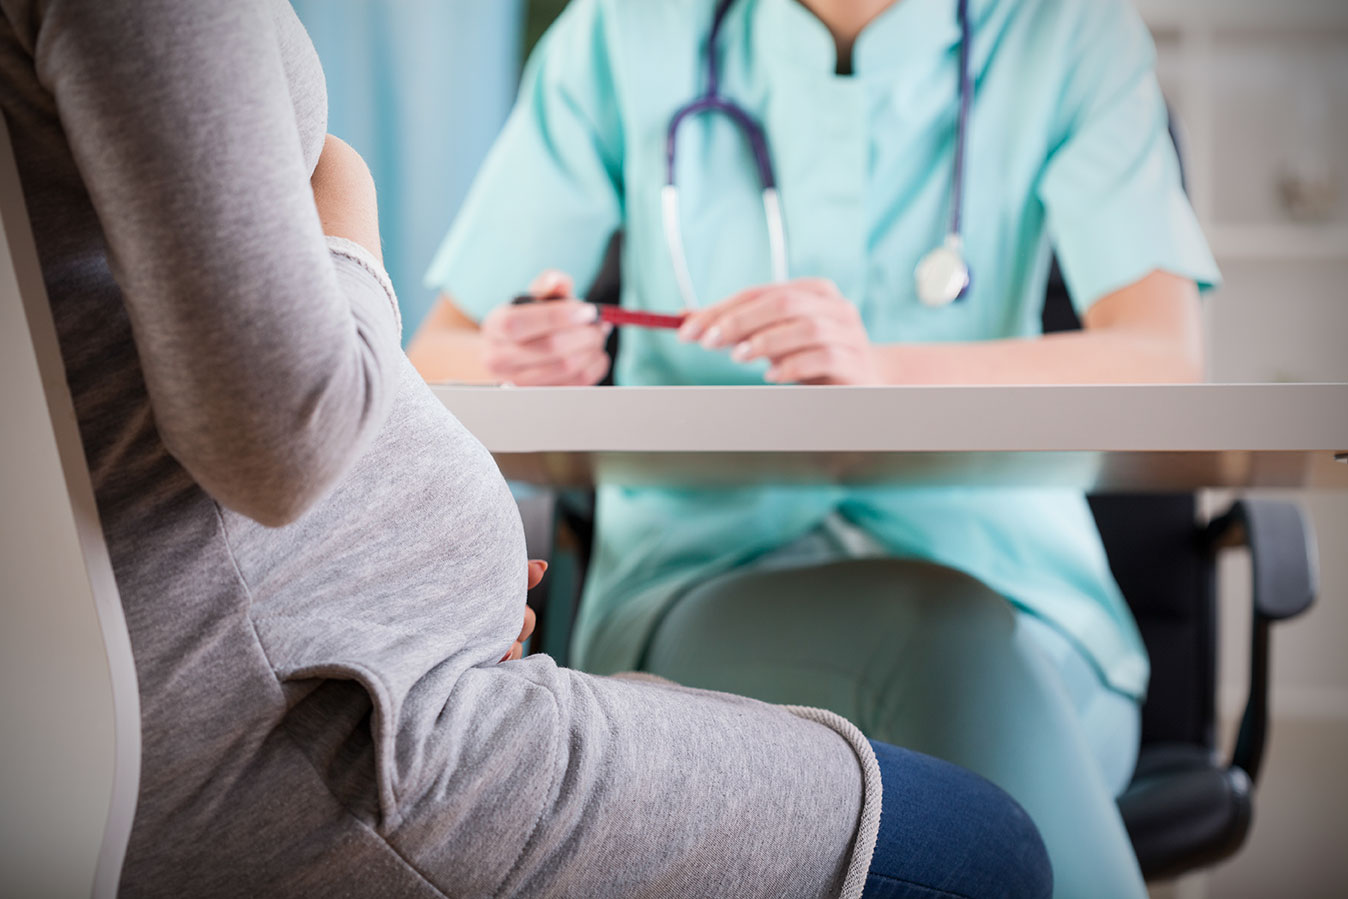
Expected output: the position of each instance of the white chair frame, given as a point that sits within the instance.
(69, 705)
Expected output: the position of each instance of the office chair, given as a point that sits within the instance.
(1186, 808)
(69, 706)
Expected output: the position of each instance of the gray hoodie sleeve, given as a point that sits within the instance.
(270, 358)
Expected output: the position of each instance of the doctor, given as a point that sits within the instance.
(853, 192)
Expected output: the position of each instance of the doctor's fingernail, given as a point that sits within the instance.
(585, 313)
(772, 376)
(712, 339)
(742, 352)
(689, 332)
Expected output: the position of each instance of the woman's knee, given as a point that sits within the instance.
(946, 831)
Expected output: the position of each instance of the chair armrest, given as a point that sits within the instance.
(538, 514)
(1282, 553)
(1285, 576)
(558, 528)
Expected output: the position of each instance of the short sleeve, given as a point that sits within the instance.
(548, 195)
(1111, 188)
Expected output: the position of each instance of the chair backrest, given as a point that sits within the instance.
(69, 707)
(1166, 574)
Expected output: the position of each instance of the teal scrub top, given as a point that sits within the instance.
(1068, 146)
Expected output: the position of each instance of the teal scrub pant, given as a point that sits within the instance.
(927, 658)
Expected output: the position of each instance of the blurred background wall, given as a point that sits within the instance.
(1260, 90)
(419, 88)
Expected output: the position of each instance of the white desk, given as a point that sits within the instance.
(1139, 438)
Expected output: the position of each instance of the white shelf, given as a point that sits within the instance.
(1277, 15)
(1196, 37)
(1279, 242)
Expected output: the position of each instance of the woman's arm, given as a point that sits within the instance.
(269, 359)
(1148, 332)
(344, 195)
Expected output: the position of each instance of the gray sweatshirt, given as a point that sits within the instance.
(319, 565)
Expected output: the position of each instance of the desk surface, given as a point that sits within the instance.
(1163, 437)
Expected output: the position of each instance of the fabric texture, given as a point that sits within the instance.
(1067, 147)
(927, 658)
(319, 566)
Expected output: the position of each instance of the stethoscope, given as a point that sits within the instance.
(942, 276)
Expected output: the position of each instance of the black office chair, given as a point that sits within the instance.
(1186, 808)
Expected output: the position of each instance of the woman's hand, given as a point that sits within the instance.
(809, 331)
(344, 194)
(536, 569)
(554, 343)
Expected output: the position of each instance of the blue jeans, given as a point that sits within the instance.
(946, 833)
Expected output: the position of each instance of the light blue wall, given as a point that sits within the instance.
(420, 89)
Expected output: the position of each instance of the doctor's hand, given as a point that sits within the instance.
(806, 329)
(554, 343)
(536, 569)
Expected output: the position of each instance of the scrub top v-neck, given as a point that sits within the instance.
(1068, 147)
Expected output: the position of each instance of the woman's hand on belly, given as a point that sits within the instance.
(537, 567)
(807, 330)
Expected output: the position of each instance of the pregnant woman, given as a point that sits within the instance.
(322, 571)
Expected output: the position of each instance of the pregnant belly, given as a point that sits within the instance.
(418, 551)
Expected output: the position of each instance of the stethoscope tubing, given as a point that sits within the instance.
(949, 286)
(962, 124)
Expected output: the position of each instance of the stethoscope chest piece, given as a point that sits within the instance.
(942, 275)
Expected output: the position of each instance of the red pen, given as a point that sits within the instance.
(617, 315)
(620, 317)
